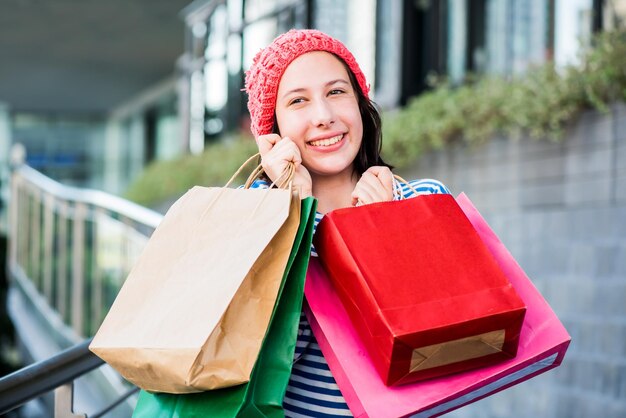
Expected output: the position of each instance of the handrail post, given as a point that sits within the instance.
(35, 237)
(64, 402)
(78, 270)
(13, 221)
(97, 293)
(17, 159)
(61, 282)
(25, 226)
(48, 246)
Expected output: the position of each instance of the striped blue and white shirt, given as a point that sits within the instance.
(312, 390)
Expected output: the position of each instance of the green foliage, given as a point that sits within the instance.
(539, 103)
(603, 74)
(164, 180)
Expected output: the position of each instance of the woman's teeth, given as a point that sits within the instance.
(326, 142)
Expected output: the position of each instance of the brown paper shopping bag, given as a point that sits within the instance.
(193, 311)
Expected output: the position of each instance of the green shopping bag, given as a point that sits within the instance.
(263, 395)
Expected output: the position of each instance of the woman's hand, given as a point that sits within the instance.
(276, 154)
(375, 185)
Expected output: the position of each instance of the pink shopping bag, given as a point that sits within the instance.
(542, 346)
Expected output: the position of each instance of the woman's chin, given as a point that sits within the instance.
(330, 169)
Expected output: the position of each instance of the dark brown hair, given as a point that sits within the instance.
(372, 143)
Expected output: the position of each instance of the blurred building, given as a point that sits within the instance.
(97, 100)
(399, 43)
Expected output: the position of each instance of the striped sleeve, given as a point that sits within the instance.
(258, 184)
(402, 190)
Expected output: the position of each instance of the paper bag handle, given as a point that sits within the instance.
(283, 181)
(280, 182)
(241, 168)
(397, 177)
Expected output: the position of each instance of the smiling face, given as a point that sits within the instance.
(317, 108)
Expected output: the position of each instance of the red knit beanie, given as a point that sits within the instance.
(270, 63)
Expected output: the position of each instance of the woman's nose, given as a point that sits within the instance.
(323, 114)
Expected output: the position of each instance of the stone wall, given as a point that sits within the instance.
(560, 208)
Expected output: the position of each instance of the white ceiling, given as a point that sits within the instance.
(85, 56)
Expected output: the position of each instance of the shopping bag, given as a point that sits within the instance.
(542, 346)
(421, 288)
(263, 395)
(193, 311)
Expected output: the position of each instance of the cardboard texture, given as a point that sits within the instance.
(426, 296)
(263, 395)
(193, 311)
(542, 346)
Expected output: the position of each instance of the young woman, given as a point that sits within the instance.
(309, 105)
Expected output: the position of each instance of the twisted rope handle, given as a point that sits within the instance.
(241, 168)
(289, 174)
(283, 181)
(400, 179)
(256, 173)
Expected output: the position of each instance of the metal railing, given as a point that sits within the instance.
(70, 250)
(75, 245)
(57, 372)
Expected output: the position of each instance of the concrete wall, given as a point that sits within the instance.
(560, 208)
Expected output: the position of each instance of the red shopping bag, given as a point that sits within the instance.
(421, 288)
(542, 346)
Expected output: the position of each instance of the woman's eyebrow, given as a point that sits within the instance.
(327, 84)
(296, 90)
(338, 80)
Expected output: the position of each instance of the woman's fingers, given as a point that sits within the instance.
(385, 176)
(367, 190)
(266, 142)
(276, 153)
(285, 151)
(375, 185)
(302, 182)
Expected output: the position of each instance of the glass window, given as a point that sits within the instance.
(255, 9)
(517, 35)
(256, 36)
(388, 54)
(167, 131)
(457, 39)
(215, 69)
(573, 24)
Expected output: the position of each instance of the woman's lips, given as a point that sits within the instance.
(327, 141)
(328, 144)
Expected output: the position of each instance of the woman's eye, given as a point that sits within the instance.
(296, 100)
(336, 91)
